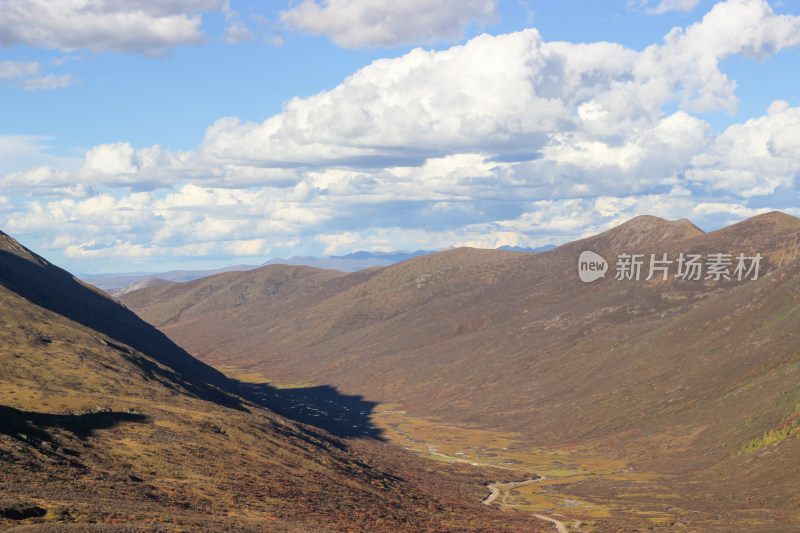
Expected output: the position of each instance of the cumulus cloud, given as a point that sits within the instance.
(196, 221)
(43, 181)
(690, 58)
(505, 94)
(494, 93)
(754, 158)
(579, 164)
(533, 117)
(146, 27)
(120, 165)
(506, 139)
(192, 220)
(357, 23)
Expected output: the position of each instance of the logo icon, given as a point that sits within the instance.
(591, 267)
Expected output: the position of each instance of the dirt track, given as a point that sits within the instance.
(496, 490)
(558, 523)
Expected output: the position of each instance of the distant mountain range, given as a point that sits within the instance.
(109, 282)
(118, 284)
(350, 262)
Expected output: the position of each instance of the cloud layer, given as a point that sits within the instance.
(144, 26)
(663, 6)
(506, 139)
(357, 23)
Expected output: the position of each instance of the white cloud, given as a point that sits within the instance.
(506, 93)
(146, 27)
(754, 158)
(120, 165)
(20, 153)
(580, 164)
(689, 60)
(193, 220)
(237, 33)
(337, 242)
(64, 59)
(131, 252)
(48, 82)
(112, 159)
(467, 146)
(356, 23)
(270, 31)
(393, 238)
(198, 222)
(11, 70)
(567, 220)
(663, 6)
(545, 222)
(43, 181)
(16, 69)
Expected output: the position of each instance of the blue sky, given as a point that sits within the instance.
(151, 135)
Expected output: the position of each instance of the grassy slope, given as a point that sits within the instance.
(97, 431)
(677, 376)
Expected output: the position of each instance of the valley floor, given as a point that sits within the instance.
(577, 490)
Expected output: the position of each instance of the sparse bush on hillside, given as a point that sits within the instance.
(790, 426)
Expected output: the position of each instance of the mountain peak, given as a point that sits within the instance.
(647, 229)
(774, 218)
(754, 232)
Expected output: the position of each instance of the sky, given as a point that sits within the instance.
(149, 135)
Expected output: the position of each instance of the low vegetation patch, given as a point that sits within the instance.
(790, 426)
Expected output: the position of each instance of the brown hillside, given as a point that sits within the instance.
(662, 373)
(137, 285)
(645, 230)
(106, 425)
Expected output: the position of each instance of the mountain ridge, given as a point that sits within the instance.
(518, 343)
(97, 434)
(125, 282)
(55, 289)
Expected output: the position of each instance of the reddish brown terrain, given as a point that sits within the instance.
(106, 425)
(692, 386)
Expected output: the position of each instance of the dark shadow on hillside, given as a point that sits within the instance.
(322, 406)
(34, 428)
(55, 289)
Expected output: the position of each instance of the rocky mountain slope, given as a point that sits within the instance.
(106, 425)
(695, 378)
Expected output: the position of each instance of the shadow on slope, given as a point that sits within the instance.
(322, 406)
(31, 427)
(56, 290)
